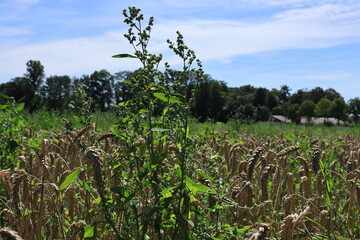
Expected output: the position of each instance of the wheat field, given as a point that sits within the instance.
(277, 187)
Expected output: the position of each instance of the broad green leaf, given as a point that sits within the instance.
(170, 99)
(166, 193)
(141, 111)
(3, 106)
(166, 109)
(77, 119)
(243, 230)
(85, 185)
(28, 211)
(127, 82)
(4, 96)
(316, 223)
(69, 179)
(124, 104)
(218, 207)
(205, 176)
(88, 231)
(123, 55)
(197, 187)
(20, 107)
(191, 223)
(97, 200)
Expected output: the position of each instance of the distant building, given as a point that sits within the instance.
(321, 120)
(304, 120)
(279, 119)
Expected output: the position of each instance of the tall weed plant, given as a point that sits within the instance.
(11, 131)
(153, 166)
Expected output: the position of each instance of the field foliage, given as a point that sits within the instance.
(149, 171)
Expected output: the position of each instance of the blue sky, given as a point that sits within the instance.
(265, 43)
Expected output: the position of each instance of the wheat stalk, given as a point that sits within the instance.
(93, 155)
(315, 157)
(291, 222)
(8, 234)
(252, 162)
(287, 151)
(260, 234)
(305, 186)
(264, 184)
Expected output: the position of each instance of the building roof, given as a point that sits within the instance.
(281, 118)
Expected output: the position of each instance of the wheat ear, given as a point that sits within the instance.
(252, 162)
(8, 234)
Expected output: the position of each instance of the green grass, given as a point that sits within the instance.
(52, 120)
(265, 129)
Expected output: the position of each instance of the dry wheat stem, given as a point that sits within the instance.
(9, 234)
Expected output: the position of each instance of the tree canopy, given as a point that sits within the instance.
(214, 100)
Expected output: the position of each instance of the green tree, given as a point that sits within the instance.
(34, 77)
(261, 113)
(57, 91)
(354, 109)
(201, 105)
(260, 97)
(293, 113)
(331, 94)
(218, 92)
(284, 93)
(338, 109)
(290, 111)
(299, 96)
(17, 88)
(271, 100)
(246, 111)
(99, 87)
(210, 100)
(307, 109)
(122, 90)
(316, 94)
(27, 88)
(237, 98)
(323, 107)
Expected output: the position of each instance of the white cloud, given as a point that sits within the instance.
(225, 39)
(73, 57)
(10, 31)
(211, 40)
(299, 3)
(304, 26)
(18, 5)
(15, 9)
(336, 76)
(326, 12)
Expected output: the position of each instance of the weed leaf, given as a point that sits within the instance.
(88, 232)
(20, 107)
(170, 99)
(124, 55)
(69, 179)
(197, 187)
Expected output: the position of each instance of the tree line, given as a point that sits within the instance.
(214, 100)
